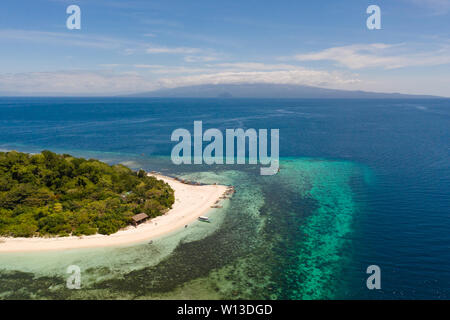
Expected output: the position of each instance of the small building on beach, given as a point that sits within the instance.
(139, 218)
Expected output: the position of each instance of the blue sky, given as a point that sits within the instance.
(136, 46)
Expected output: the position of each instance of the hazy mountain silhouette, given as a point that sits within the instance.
(266, 90)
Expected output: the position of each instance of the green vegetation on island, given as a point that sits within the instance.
(59, 195)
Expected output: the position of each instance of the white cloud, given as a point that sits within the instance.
(172, 50)
(161, 69)
(191, 54)
(256, 66)
(73, 83)
(123, 46)
(200, 58)
(239, 69)
(297, 77)
(109, 65)
(149, 66)
(114, 83)
(58, 38)
(382, 55)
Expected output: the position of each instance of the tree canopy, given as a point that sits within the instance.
(60, 195)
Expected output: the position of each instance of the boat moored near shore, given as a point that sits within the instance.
(204, 219)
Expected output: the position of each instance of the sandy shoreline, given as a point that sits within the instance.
(191, 201)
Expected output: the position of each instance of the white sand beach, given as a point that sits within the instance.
(191, 202)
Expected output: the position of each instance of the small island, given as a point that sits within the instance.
(46, 195)
(59, 202)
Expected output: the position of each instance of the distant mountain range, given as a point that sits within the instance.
(265, 90)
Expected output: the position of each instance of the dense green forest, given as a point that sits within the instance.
(49, 194)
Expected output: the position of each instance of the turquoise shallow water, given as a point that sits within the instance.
(317, 223)
(279, 237)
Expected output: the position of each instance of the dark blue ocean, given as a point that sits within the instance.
(362, 182)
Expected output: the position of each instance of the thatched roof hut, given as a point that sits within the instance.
(139, 218)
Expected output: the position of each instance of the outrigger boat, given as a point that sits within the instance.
(204, 219)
